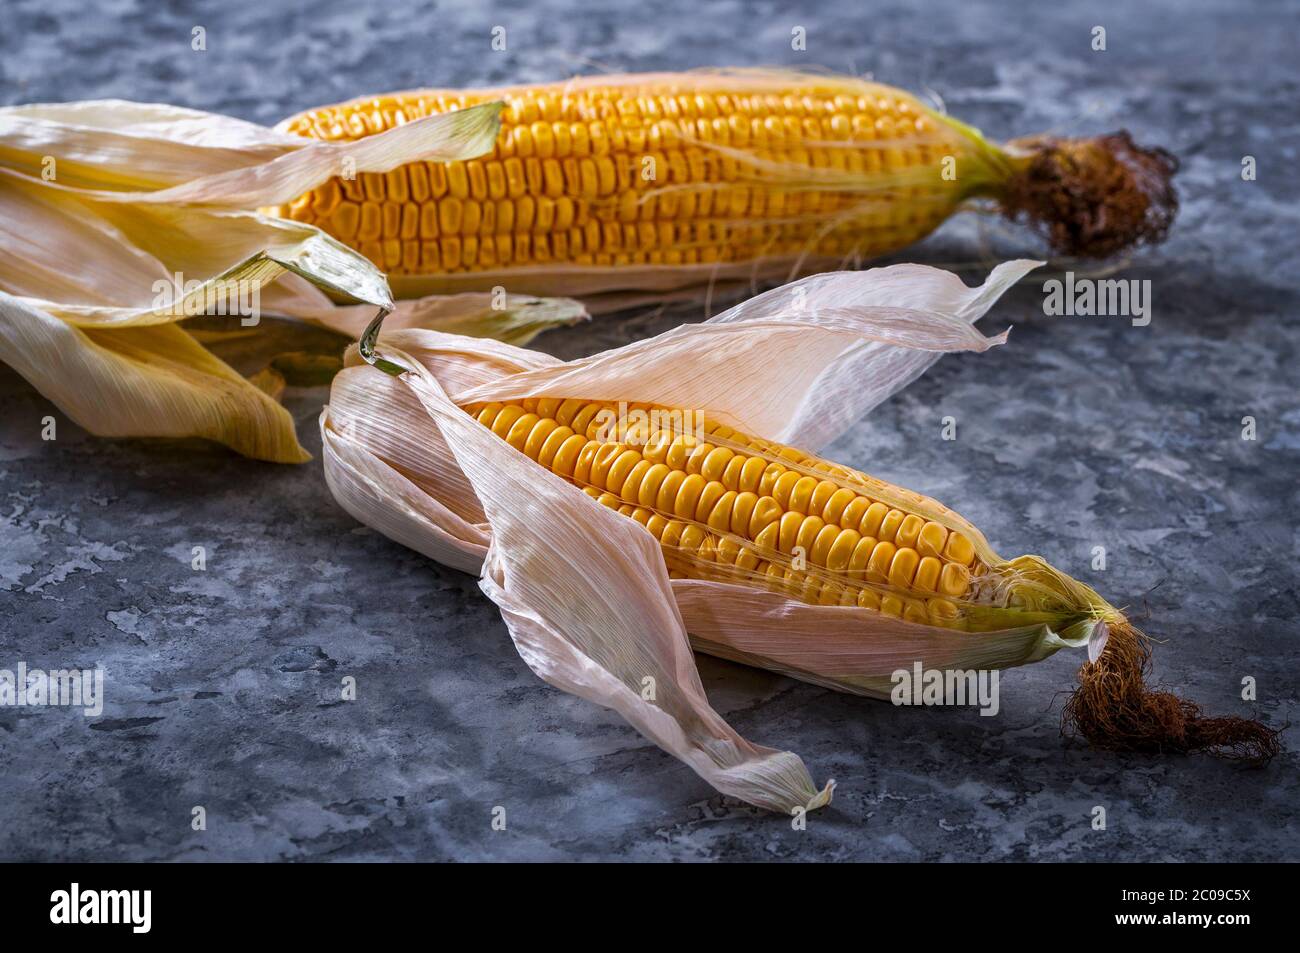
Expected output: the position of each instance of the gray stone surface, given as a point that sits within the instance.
(223, 685)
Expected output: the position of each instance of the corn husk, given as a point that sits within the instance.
(102, 201)
(584, 591)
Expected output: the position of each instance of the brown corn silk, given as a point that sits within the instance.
(1114, 708)
(1092, 196)
(661, 181)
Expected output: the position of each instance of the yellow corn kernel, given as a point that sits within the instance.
(608, 151)
(687, 493)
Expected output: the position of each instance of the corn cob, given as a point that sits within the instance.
(728, 506)
(709, 170)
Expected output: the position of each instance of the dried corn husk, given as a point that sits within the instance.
(100, 201)
(584, 591)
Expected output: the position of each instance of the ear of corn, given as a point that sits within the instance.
(696, 172)
(728, 506)
(647, 174)
(472, 456)
(581, 588)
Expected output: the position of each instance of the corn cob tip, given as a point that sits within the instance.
(1113, 708)
(1092, 197)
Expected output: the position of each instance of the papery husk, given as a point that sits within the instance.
(585, 592)
(142, 193)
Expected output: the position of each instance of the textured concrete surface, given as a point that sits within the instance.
(223, 685)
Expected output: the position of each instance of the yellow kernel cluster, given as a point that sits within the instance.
(723, 512)
(626, 174)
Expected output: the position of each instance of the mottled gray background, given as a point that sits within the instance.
(1081, 432)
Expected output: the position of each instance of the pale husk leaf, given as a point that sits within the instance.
(153, 381)
(148, 220)
(607, 629)
(122, 145)
(830, 348)
(280, 174)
